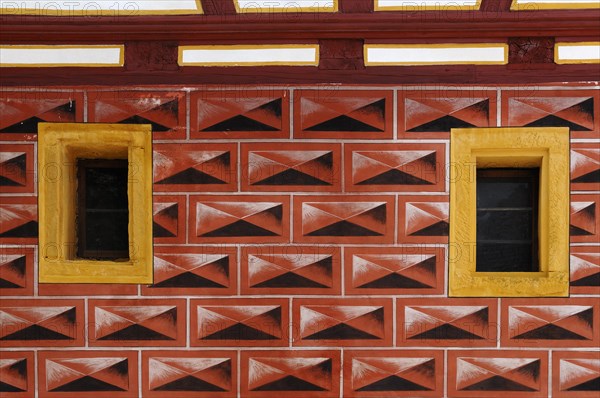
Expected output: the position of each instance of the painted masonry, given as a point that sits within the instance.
(305, 253)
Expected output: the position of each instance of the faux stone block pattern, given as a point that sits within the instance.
(447, 322)
(343, 114)
(296, 374)
(17, 374)
(22, 111)
(165, 111)
(17, 174)
(240, 113)
(554, 322)
(300, 249)
(426, 113)
(88, 374)
(393, 373)
(187, 374)
(577, 373)
(496, 373)
(576, 109)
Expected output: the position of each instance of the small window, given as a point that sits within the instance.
(103, 213)
(95, 203)
(509, 212)
(507, 219)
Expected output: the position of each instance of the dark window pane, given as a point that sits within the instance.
(504, 257)
(507, 220)
(106, 231)
(504, 224)
(104, 188)
(503, 194)
(103, 215)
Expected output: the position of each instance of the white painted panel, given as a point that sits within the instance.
(285, 5)
(247, 56)
(66, 7)
(583, 52)
(61, 56)
(435, 55)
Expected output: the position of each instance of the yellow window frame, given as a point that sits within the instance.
(59, 147)
(546, 148)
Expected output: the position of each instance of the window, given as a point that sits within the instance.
(102, 209)
(507, 217)
(95, 198)
(509, 212)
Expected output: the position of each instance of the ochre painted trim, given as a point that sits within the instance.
(59, 146)
(255, 10)
(564, 5)
(104, 12)
(547, 148)
(120, 63)
(575, 61)
(248, 47)
(416, 6)
(366, 48)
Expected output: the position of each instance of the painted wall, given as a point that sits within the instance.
(300, 248)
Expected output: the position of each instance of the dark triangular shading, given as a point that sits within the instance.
(191, 176)
(446, 332)
(289, 279)
(377, 108)
(20, 367)
(4, 284)
(576, 231)
(240, 228)
(445, 123)
(17, 163)
(5, 387)
(25, 126)
(590, 385)
(66, 108)
(6, 182)
(188, 383)
(142, 120)
(594, 176)
(188, 279)
(291, 177)
(171, 107)
(394, 177)
(87, 383)
(393, 281)
(586, 107)
(497, 383)
(438, 229)
(135, 332)
(240, 123)
(343, 228)
(393, 383)
(289, 383)
(550, 332)
(343, 123)
(17, 265)
(341, 332)
(161, 232)
(555, 121)
(592, 280)
(27, 230)
(35, 332)
(273, 107)
(240, 331)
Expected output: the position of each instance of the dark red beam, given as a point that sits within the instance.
(303, 27)
(463, 74)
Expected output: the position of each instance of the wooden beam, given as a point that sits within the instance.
(417, 26)
(408, 75)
